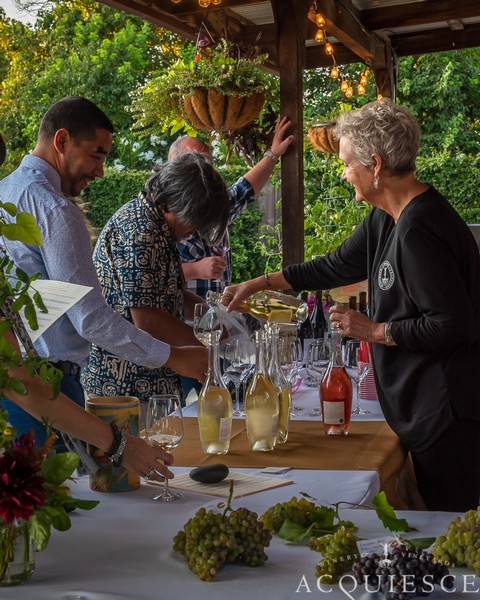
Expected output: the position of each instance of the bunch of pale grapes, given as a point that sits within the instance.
(299, 511)
(339, 552)
(460, 544)
(405, 574)
(211, 539)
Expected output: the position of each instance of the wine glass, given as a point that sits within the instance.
(238, 355)
(318, 357)
(290, 355)
(164, 428)
(357, 370)
(206, 322)
(222, 247)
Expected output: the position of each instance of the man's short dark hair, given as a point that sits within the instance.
(79, 116)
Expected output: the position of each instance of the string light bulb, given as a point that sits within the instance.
(320, 36)
(349, 92)
(204, 3)
(216, 2)
(379, 96)
(361, 89)
(334, 73)
(328, 49)
(319, 20)
(176, 1)
(344, 86)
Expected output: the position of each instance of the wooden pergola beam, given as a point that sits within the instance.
(449, 40)
(290, 21)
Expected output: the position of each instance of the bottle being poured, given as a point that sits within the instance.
(270, 306)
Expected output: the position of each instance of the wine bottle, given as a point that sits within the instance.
(214, 405)
(362, 303)
(271, 306)
(336, 392)
(261, 402)
(280, 382)
(319, 323)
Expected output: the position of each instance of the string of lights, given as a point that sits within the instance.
(346, 86)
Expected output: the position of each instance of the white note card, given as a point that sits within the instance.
(58, 296)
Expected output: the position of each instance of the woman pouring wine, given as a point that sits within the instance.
(412, 247)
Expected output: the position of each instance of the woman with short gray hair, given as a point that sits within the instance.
(423, 271)
(140, 271)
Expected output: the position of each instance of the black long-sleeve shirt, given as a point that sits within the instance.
(424, 277)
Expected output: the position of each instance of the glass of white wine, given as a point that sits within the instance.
(164, 428)
(206, 322)
(357, 371)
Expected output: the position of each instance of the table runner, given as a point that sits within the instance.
(370, 445)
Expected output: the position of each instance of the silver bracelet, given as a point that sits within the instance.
(272, 156)
(116, 459)
(267, 279)
(387, 332)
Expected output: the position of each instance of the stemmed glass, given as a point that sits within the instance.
(291, 359)
(238, 355)
(164, 428)
(206, 322)
(318, 357)
(222, 247)
(357, 370)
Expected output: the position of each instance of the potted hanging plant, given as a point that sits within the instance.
(320, 133)
(33, 494)
(220, 88)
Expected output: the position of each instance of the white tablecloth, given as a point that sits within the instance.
(123, 548)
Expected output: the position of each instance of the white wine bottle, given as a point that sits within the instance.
(261, 403)
(271, 306)
(214, 405)
(280, 382)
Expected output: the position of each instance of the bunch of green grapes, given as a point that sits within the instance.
(339, 552)
(460, 545)
(211, 539)
(299, 511)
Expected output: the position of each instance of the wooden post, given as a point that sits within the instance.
(291, 22)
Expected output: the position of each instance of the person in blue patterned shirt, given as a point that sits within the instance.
(203, 269)
(139, 269)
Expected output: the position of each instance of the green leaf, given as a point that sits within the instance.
(37, 298)
(83, 504)
(292, 532)
(9, 208)
(387, 515)
(57, 468)
(39, 529)
(420, 543)
(24, 230)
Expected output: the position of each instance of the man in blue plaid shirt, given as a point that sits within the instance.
(203, 269)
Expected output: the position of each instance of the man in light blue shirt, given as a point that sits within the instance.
(74, 138)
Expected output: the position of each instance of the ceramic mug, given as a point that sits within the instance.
(124, 411)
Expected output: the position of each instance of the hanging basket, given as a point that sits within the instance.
(321, 136)
(209, 110)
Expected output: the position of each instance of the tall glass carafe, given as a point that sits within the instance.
(214, 405)
(280, 382)
(261, 402)
(336, 391)
(270, 306)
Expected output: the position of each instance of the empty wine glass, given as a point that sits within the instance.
(318, 357)
(164, 428)
(238, 355)
(222, 247)
(357, 370)
(290, 355)
(206, 322)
